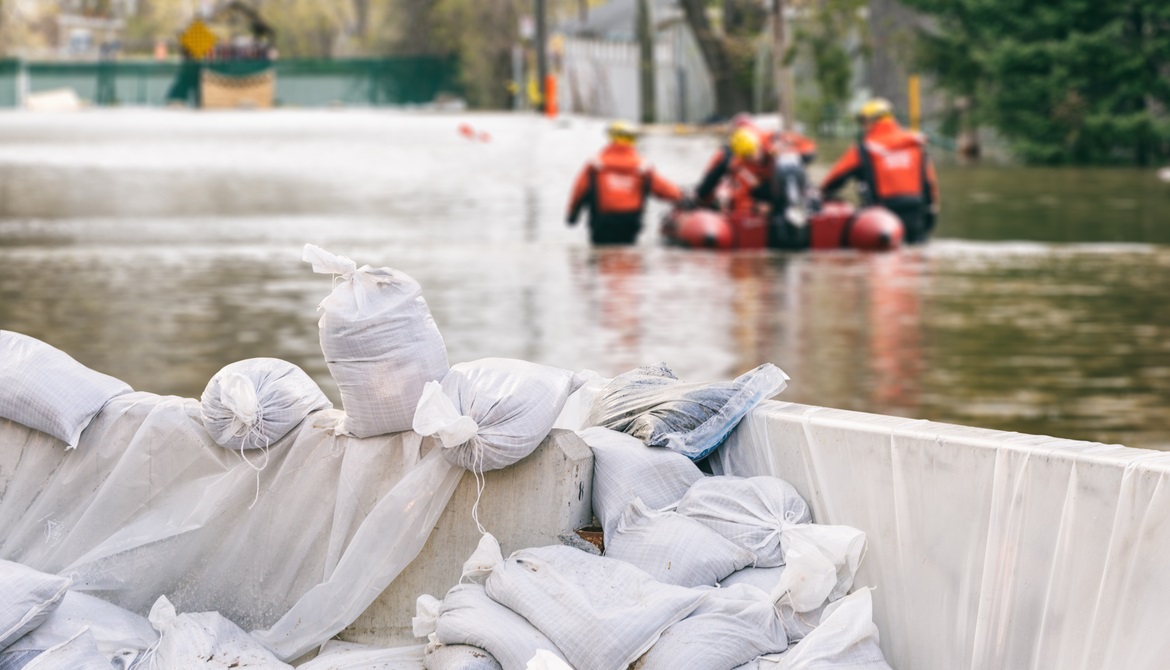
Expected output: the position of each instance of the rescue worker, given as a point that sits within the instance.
(893, 168)
(614, 187)
(747, 163)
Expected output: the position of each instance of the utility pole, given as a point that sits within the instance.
(542, 54)
(783, 79)
(646, 61)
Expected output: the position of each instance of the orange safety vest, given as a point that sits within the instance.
(618, 181)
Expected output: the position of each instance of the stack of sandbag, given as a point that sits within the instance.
(43, 625)
(557, 606)
(253, 403)
(45, 389)
(490, 413)
(653, 405)
(380, 342)
(753, 535)
(847, 639)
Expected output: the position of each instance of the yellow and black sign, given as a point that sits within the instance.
(198, 39)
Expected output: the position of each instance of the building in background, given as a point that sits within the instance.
(599, 65)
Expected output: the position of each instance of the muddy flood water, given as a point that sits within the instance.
(158, 246)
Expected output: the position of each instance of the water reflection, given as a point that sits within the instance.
(162, 291)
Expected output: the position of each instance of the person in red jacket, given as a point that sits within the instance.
(892, 165)
(614, 187)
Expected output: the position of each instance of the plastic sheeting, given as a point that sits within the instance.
(149, 505)
(988, 549)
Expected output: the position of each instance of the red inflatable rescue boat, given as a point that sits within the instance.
(836, 225)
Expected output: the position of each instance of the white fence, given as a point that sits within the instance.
(601, 78)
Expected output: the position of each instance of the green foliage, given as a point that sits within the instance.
(1081, 81)
(825, 36)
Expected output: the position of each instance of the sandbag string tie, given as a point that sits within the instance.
(256, 432)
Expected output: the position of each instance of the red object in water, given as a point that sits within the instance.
(748, 230)
(700, 229)
(467, 131)
(876, 228)
(839, 225)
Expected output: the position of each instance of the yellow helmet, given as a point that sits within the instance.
(622, 131)
(744, 143)
(874, 109)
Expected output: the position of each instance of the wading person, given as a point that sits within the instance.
(615, 186)
(893, 169)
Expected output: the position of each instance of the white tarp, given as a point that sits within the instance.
(148, 505)
(988, 549)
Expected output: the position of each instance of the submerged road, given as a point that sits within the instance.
(160, 245)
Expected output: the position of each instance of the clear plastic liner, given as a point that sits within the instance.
(988, 549)
(690, 418)
(149, 505)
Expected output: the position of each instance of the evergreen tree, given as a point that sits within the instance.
(1079, 81)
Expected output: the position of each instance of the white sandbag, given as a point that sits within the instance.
(458, 657)
(490, 413)
(749, 511)
(110, 627)
(338, 655)
(624, 468)
(693, 419)
(821, 564)
(45, 389)
(574, 414)
(79, 652)
(847, 639)
(27, 598)
(796, 624)
(380, 342)
(467, 616)
(204, 640)
(674, 549)
(250, 404)
(546, 661)
(16, 660)
(601, 613)
(733, 626)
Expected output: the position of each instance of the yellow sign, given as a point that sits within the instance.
(198, 39)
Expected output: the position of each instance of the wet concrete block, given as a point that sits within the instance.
(529, 504)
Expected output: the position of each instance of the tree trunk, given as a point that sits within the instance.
(646, 62)
(729, 98)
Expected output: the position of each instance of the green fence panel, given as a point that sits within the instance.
(404, 80)
(9, 80)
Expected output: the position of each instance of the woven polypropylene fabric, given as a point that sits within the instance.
(27, 597)
(624, 468)
(796, 624)
(458, 657)
(78, 653)
(16, 660)
(45, 389)
(750, 512)
(285, 395)
(600, 612)
(674, 549)
(468, 616)
(382, 345)
(515, 404)
(732, 627)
